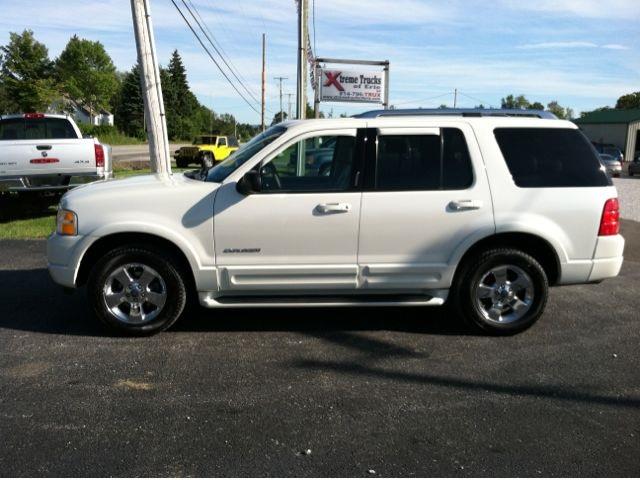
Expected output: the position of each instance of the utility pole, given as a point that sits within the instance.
(151, 89)
(301, 106)
(455, 98)
(264, 78)
(289, 95)
(281, 79)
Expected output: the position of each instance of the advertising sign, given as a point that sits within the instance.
(351, 86)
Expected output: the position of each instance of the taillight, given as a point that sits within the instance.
(30, 116)
(99, 155)
(610, 222)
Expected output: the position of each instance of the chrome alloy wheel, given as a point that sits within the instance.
(134, 293)
(504, 294)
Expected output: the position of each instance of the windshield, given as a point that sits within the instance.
(612, 151)
(205, 141)
(248, 150)
(36, 129)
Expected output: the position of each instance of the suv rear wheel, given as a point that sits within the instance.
(137, 290)
(501, 291)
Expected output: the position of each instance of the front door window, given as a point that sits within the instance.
(317, 164)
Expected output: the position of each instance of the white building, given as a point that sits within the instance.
(80, 113)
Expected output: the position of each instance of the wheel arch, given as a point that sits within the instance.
(107, 243)
(534, 245)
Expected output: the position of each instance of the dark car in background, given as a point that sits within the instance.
(634, 167)
(609, 149)
(612, 164)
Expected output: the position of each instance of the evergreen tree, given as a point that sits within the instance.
(87, 73)
(26, 82)
(129, 107)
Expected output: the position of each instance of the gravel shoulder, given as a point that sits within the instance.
(629, 195)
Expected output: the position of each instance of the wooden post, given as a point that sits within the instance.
(301, 104)
(264, 80)
(151, 88)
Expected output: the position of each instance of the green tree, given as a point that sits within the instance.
(536, 106)
(26, 83)
(186, 117)
(279, 117)
(87, 74)
(628, 101)
(520, 102)
(128, 105)
(601, 109)
(560, 111)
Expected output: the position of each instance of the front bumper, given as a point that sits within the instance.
(64, 254)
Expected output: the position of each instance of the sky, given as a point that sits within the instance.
(582, 53)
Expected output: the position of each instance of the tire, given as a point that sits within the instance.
(156, 284)
(182, 163)
(503, 304)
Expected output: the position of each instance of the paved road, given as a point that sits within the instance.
(135, 153)
(400, 391)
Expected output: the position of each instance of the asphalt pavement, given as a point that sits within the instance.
(127, 154)
(318, 392)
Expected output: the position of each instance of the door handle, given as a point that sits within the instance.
(43, 147)
(334, 208)
(464, 205)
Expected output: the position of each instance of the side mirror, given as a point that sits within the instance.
(250, 183)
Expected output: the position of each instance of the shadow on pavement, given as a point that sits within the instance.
(554, 392)
(30, 301)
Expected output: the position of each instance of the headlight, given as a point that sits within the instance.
(67, 223)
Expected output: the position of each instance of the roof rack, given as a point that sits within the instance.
(463, 112)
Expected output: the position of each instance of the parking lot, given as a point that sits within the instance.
(320, 392)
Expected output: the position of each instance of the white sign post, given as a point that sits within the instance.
(352, 86)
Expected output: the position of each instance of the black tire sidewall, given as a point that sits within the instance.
(161, 263)
(472, 276)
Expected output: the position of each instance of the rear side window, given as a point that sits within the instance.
(36, 129)
(550, 157)
(424, 162)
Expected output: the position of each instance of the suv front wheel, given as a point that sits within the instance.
(137, 290)
(502, 291)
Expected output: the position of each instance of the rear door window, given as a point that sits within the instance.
(550, 157)
(424, 162)
(36, 129)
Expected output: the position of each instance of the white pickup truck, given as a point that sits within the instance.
(42, 152)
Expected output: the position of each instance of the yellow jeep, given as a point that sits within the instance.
(206, 150)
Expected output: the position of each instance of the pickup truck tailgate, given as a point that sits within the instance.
(35, 157)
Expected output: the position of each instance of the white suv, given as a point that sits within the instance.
(483, 210)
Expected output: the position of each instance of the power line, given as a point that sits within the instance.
(213, 59)
(218, 51)
(231, 66)
(475, 99)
